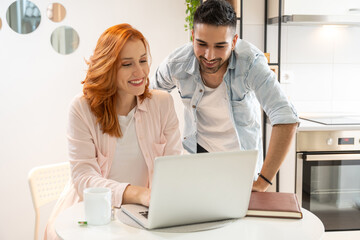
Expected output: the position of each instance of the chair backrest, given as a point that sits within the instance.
(46, 184)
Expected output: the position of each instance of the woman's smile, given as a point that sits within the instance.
(136, 82)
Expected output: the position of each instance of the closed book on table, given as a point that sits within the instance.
(274, 204)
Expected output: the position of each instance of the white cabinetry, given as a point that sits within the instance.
(313, 7)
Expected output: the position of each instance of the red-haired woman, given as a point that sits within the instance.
(118, 126)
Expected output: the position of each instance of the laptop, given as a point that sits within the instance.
(197, 188)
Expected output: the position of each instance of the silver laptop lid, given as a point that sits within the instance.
(201, 187)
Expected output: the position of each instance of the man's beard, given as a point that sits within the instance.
(210, 70)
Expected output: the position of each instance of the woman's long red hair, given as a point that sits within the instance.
(100, 85)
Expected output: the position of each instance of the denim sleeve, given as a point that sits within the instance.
(262, 80)
(162, 78)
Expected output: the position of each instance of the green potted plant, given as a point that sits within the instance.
(191, 6)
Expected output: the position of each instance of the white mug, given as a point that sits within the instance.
(97, 202)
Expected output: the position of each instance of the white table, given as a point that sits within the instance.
(310, 227)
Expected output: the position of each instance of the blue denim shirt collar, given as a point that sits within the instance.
(192, 67)
(232, 60)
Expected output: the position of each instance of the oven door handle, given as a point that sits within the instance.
(329, 157)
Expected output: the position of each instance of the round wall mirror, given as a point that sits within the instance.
(56, 12)
(23, 16)
(64, 40)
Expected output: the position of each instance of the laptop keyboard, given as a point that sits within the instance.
(145, 214)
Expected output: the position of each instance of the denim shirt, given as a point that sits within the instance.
(249, 81)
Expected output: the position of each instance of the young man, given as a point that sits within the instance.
(221, 80)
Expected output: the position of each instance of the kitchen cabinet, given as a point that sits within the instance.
(313, 7)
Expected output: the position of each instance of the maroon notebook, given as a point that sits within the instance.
(274, 204)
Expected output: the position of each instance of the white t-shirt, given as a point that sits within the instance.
(129, 164)
(215, 129)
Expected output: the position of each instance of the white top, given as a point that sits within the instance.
(129, 165)
(309, 228)
(216, 131)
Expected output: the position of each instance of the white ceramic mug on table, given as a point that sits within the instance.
(97, 203)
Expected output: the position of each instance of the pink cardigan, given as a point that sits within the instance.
(91, 151)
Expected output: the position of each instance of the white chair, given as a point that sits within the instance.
(46, 184)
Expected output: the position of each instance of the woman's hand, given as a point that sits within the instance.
(144, 196)
(136, 194)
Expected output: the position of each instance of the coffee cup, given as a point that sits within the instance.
(97, 203)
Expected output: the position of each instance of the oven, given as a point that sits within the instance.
(328, 176)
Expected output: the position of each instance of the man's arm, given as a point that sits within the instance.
(280, 141)
(281, 113)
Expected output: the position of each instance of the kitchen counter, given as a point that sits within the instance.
(313, 126)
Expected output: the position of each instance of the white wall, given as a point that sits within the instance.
(253, 22)
(324, 66)
(37, 85)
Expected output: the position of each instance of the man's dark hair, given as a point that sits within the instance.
(215, 12)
